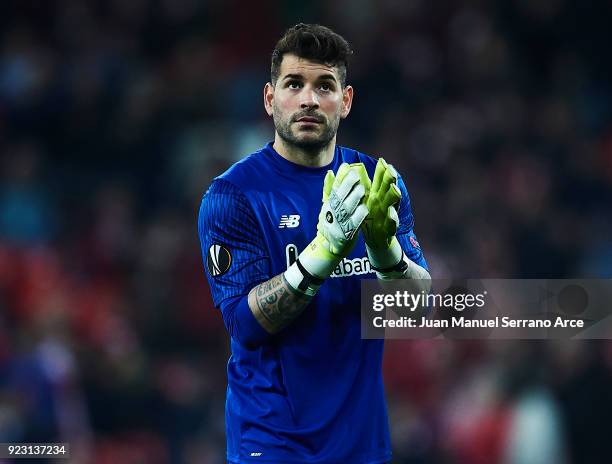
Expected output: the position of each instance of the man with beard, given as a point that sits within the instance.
(281, 244)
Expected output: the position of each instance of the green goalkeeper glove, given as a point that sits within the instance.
(382, 222)
(341, 215)
(384, 250)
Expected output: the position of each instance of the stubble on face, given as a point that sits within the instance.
(287, 129)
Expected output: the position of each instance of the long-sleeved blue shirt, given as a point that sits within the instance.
(313, 392)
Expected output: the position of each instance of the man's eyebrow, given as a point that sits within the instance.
(327, 77)
(323, 77)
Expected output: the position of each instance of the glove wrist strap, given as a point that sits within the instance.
(301, 280)
(404, 268)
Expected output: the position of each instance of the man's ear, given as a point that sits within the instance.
(347, 101)
(268, 94)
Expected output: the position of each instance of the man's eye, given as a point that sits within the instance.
(325, 87)
(294, 85)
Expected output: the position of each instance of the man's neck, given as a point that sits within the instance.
(296, 155)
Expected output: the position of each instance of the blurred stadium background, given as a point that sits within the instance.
(114, 117)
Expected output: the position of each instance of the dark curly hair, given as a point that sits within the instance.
(312, 42)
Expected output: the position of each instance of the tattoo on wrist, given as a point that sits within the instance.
(275, 304)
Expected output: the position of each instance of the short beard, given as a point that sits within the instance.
(312, 146)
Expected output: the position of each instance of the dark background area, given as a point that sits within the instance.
(114, 117)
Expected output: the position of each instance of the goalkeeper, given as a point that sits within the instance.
(287, 233)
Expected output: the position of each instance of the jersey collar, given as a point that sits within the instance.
(289, 166)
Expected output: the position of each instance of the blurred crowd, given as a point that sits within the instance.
(114, 117)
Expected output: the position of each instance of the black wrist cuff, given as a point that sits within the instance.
(308, 279)
(399, 267)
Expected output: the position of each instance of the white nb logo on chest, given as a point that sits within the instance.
(289, 221)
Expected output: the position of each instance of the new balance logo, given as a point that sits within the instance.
(289, 221)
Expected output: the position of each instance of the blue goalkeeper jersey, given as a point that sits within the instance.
(312, 393)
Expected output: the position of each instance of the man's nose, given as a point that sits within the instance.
(309, 99)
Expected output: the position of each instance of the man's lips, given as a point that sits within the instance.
(309, 120)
